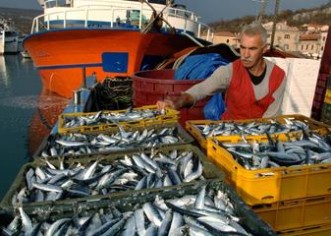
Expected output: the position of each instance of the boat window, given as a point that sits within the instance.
(180, 10)
(10, 33)
(158, 1)
(57, 3)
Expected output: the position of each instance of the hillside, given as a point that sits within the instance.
(320, 15)
(21, 19)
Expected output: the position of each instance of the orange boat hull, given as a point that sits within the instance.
(49, 107)
(65, 57)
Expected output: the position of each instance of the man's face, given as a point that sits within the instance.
(251, 50)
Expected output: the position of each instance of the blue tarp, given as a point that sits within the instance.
(201, 67)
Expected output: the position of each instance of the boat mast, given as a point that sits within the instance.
(157, 19)
(262, 11)
(274, 24)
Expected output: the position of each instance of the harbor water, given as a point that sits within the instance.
(27, 114)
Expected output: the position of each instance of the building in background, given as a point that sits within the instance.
(309, 44)
(312, 39)
(286, 37)
(225, 37)
(308, 40)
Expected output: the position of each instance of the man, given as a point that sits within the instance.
(254, 86)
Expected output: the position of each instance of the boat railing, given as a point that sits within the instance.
(64, 16)
(56, 3)
(205, 31)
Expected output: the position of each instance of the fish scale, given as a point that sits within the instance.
(136, 171)
(109, 117)
(250, 128)
(304, 151)
(78, 144)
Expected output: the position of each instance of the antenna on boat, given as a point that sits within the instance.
(274, 24)
(262, 10)
(157, 19)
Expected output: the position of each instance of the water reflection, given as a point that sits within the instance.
(27, 113)
(3, 73)
(49, 107)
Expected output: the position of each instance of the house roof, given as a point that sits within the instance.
(225, 33)
(309, 37)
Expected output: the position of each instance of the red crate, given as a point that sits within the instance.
(154, 85)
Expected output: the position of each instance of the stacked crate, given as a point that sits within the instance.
(209, 172)
(127, 208)
(324, 72)
(154, 85)
(326, 108)
(293, 200)
(317, 105)
(195, 127)
(168, 116)
(113, 126)
(70, 201)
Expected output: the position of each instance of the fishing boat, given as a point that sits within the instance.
(75, 39)
(20, 43)
(8, 41)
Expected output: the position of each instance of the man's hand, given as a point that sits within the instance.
(168, 102)
(184, 100)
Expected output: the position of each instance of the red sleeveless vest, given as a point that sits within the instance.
(240, 99)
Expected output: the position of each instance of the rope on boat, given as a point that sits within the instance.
(43, 119)
(156, 20)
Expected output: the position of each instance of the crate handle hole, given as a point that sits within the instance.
(317, 199)
(268, 197)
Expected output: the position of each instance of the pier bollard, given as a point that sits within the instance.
(77, 98)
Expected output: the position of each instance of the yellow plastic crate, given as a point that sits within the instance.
(178, 131)
(314, 230)
(326, 113)
(315, 126)
(191, 126)
(269, 185)
(304, 212)
(169, 116)
(327, 98)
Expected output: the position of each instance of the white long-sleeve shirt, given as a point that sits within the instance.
(220, 80)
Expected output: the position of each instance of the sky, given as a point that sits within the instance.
(209, 10)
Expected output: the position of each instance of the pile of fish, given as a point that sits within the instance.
(250, 128)
(306, 150)
(108, 117)
(83, 178)
(78, 144)
(209, 212)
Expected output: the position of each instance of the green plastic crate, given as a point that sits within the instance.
(210, 172)
(248, 219)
